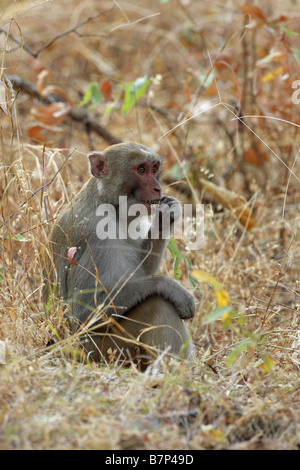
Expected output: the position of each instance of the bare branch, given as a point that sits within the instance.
(74, 30)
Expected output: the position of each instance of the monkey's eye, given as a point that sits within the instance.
(155, 168)
(141, 170)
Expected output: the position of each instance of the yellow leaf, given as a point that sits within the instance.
(268, 363)
(225, 317)
(222, 295)
(203, 276)
(216, 434)
(223, 299)
(271, 75)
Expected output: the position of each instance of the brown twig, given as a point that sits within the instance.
(79, 115)
(74, 30)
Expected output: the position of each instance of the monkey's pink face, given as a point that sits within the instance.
(148, 190)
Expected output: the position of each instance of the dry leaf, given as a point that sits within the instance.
(51, 114)
(41, 79)
(55, 90)
(211, 90)
(256, 155)
(253, 11)
(234, 202)
(34, 132)
(71, 253)
(106, 91)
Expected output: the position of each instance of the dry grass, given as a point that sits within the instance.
(50, 400)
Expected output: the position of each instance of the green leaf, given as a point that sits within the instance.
(133, 92)
(177, 256)
(189, 270)
(174, 250)
(242, 320)
(176, 268)
(288, 32)
(110, 108)
(93, 95)
(205, 79)
(296, 53)
(180, 258)
(1, 275)
(244, 345)
(218, 313)
(54, 331)
(17, 238)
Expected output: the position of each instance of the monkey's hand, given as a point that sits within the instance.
(185, 304)
(178, 295)
(163, 218)
(165, 215)
(170, 207)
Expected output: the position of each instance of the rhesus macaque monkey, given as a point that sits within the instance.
(115, 276)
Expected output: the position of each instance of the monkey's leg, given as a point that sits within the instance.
(151, 327)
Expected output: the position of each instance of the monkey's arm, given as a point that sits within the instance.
(136, 291)
(132, 294)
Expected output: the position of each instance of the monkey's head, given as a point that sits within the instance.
(130, 170)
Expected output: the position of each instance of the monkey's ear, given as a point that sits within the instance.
(98, 165)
